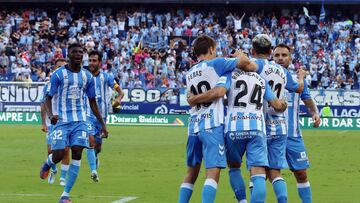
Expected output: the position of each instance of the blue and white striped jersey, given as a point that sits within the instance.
(71, 88)
(102, 82)
(202, 77)
(279, 79)
(292, 112)
(54, 101)
(245, 101)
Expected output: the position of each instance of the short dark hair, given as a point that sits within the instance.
(60, 60)
(281, 45)
(74, 45)
(97, 53)
(202, 44)
(261, 44)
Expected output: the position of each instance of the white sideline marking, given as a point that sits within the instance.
(125, 199)
(343, 131)
(121, 200)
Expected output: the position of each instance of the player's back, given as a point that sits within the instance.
(201, 78)
(245, 102)
(276, 77)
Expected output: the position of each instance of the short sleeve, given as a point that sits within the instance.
(111, 80)
(305, 94)
(291, 84)
(54, 85)
(90, 88)
(224, 81)
(223, 65)
(260, 64)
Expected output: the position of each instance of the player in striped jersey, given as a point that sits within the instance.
(205, 132)
(103, 82)
(71, 83)
(296, 155)
(244, 129)
(279, 79)
(47, 127)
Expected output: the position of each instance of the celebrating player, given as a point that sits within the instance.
(102, 83)
(244, 129)
(71, 83)
(296, 155)
(47, 127)
(205, 133)
(279, 79)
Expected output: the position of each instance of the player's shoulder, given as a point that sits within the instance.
(59, 71)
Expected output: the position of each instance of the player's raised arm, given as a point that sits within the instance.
(244, 63)
(218, 91)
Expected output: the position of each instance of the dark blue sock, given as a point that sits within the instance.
(237, 183)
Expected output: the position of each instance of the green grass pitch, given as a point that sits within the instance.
(149, 163)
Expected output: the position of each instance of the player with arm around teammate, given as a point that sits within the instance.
(244, 129)
(296, 155)
(71, 82)
(102, 83)
(205, 131)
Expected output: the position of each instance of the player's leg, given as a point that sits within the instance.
(193, 160)
(277, 160)
(98, 148)
(98, 143)
(214, 160)
(90, 152)
(235, 148)
(51, 178)
(298, 162)
(256, 159)
(59, 137)
(64, 166)
(78, 140)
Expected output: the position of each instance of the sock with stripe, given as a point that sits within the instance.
(185, 193)
(91, 159)
(72, 175)
(280, 189)
(304, 191)
(209, 191)
(64, 170)
(259, 191)
(237, 184)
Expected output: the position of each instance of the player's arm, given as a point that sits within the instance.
(118, 89)
(54, 85)
(239, 60)
(313, 111)
(43, 118)
(279, 105)
(292, 85)
(244, 63)
(211, 95)
(90, 92)
(218, 91)
(310, 105)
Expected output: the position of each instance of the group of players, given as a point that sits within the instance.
(74, 111)
(261, 120)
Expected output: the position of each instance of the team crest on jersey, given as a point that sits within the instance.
(102, 78)
(84, 77)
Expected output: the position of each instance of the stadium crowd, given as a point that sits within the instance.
(150, 49)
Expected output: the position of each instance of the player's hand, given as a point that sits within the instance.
(191, 99)
(104, 132)
(54, 119)
(301, 73)
(44, 128)
(316, 119)
(240, 55)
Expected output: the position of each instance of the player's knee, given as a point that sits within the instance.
(76, 152)
(57, 155)
(97, 148)
(233, 164)
(301, 176)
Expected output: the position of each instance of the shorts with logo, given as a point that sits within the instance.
(296, 155)
(276, 146)
(70, 134)
(251, 142)
(94, 128)
(49, 134)
(207, 144)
